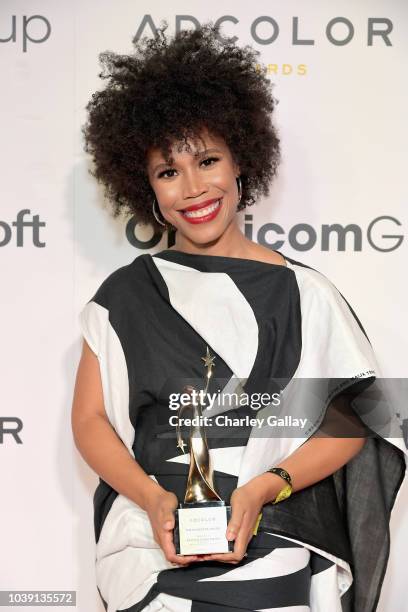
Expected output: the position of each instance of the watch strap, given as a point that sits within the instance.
(282, 473)
(287, 489)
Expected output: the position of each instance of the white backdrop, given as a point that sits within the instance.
(342, 121)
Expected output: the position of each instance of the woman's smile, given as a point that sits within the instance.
(202, 214)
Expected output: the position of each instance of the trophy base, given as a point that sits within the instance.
(200, 528)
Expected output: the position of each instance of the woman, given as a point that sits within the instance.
(182, 138)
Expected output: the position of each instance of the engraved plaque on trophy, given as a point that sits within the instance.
(202, 519)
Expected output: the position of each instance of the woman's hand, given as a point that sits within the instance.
(160, 508)
(246, 504)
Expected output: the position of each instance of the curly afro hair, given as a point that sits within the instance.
(166, 92)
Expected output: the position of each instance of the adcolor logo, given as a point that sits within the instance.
(265, 29)
(10, 428)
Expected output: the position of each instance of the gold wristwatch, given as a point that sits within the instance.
(287, 489)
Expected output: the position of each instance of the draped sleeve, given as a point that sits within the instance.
(345, 516)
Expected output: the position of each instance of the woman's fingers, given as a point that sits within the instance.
(240, 529)
(242, 539)
(167, 545)
(162, 519)
(237, 514)
(168, 520)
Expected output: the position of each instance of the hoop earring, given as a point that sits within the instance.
(239, 182)
(155, 214)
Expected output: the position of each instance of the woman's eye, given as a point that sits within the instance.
(165, 172)
(209, 159)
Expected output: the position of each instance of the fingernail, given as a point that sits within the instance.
(230, 535)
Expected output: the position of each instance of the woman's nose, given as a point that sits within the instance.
(193, 185)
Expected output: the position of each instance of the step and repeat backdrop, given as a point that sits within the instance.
(339, 204)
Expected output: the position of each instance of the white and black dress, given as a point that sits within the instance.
(270, 327)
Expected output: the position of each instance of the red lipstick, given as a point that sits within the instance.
(200, 205)
(215, 205)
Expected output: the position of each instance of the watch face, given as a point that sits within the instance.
(282, 473)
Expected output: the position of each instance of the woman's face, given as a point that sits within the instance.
(197, 193)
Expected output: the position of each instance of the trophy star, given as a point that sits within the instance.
(181, 445)
(208, 360)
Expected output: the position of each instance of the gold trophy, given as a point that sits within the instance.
(202, 519)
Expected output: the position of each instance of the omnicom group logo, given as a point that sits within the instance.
(296, 31)
(22, 30)
(381, 234)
